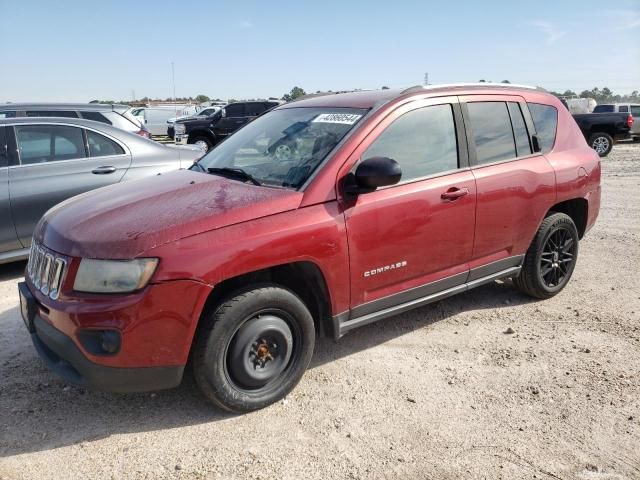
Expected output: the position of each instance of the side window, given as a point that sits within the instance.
(623, 108)
(4, 159)
(254, 109)
(7, 114)
(545, 119)
(96, 117)
(520, 133)
(422, 141)
(52, 113)
(492, 133)
(100, 146)
(234, 110)
(635, 110)
(49, 143)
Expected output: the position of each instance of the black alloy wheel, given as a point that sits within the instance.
(551, 257)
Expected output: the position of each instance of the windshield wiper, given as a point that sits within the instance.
(235, 173)
(200, 167)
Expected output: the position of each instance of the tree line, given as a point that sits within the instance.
(604, 95)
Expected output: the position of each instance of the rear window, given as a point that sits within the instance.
(52, 113)
(492, 133)
(96, 117)
(604, 109)
(100, 146)
(623, 108)
(545, 119)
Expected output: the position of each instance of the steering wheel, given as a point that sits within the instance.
(283, 152)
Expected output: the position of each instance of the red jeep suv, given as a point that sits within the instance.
(316, 218)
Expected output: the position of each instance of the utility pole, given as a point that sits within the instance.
(426, 78)
(173, 80)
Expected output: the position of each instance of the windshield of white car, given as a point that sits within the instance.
(284, 147)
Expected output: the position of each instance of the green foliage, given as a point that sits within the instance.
(295, 93)
(604, 95)
(202, 98)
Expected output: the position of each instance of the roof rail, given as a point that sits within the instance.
(418, 88)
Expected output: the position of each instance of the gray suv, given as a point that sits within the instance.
(44, 161)
(119, 116)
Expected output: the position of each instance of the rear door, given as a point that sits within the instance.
(55, 162)
(413, 239)
(8, 238)
(515, 186)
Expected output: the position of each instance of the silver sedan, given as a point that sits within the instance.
(44, 161)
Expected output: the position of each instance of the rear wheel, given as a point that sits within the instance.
(602, 143)
(551, 258)
(254, 348)
(203, 142)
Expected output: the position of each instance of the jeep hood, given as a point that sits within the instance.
(126, 219)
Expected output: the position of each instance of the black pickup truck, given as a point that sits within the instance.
(602, 130)
(209, 131)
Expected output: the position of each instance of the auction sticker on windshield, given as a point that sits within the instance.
(344, 118)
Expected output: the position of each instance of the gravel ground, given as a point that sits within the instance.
(441, 392)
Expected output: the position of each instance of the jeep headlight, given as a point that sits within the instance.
(179, 128)
(114, 276)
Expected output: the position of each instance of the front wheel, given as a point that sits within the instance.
(253, 348)
(602, 143)
(203, 142)
(551, 258)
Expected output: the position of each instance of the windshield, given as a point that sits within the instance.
(282, 148)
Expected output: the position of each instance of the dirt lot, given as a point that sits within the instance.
(440, 393)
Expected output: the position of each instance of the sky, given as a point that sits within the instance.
(68, 50)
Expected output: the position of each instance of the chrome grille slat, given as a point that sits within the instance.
(57, 277)
(45, 270)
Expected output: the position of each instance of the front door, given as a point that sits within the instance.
(8, 237)
(56, 162)
(413, 239)
(234, 118)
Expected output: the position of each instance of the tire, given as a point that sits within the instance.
(205, 142)
(535, 279)
(253, 348)
(602, 143)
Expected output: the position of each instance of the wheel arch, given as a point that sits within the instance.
(577, 209)
(303, 278)
(202, 133)
(608, 129)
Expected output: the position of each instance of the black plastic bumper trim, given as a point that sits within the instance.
(63, 356)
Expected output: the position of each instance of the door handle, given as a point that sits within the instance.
(454, 193)
(104, 170)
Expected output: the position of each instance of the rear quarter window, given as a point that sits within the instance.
(545, 119)
(96, 117)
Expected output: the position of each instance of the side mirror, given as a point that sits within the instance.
(372, 173)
